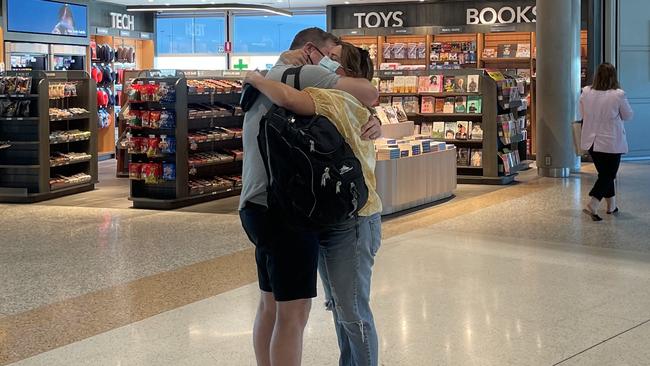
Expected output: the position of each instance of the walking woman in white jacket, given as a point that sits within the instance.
(604, 107)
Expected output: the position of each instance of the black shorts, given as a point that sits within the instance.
(287, 259)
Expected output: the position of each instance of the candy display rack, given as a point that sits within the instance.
(48, 146)
(207, 158)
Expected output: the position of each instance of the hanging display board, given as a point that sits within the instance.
(437, 17)
(108, 19)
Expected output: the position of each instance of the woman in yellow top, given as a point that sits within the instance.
(346, 252)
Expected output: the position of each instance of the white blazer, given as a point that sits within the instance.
(603, 113)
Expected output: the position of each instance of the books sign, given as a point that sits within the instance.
(504, 15)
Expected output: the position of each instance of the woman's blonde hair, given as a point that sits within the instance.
(606, 78)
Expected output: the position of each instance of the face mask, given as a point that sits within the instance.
(329, 64)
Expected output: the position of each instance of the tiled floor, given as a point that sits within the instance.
(509, 276)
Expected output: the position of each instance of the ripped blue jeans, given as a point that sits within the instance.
(347, 254)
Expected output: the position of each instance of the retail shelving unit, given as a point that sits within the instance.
(26, 170)
(142, 59)
(170, 194)
(489, 172)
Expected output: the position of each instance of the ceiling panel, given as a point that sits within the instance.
(287, 4)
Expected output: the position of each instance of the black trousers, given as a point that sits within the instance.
(607, 166)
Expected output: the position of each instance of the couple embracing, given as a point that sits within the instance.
(334, 83)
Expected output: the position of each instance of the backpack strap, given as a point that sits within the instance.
(295, 71)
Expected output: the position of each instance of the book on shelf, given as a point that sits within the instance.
(428, 104)
(460, 105)
(462, 130)
(380, 113)
(401, 112)
(417, 129)
(440, 105)
(394, 100)
(523, 50)
(423, 84)
(462, 156)
(460, 84)
(476, 132)
(412, 51)
(450, 130)
(489, 53)
(411, 105)
(474, 104)
(399, 84)
(384, 100)
(449, 105)
(426, 128)
(448, 84)
(391, 114)
(473, 83)
(387, 51)
(438, 130)
(436, 83)
(476, 158)
(506, 50)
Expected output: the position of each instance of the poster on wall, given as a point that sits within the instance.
(54, 18)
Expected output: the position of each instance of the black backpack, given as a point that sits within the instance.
(314, 177)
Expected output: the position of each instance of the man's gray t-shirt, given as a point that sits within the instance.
(254, 174)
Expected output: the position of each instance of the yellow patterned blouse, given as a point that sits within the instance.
(349, 115)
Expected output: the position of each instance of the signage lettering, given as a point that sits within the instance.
(505, 15)
(379, 19)
(123, 21)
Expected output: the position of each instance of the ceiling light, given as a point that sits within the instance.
(347, 2)
(203, 7)
(150, 1)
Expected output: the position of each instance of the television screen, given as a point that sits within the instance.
(47, 17)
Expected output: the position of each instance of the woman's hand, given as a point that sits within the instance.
(253, 78)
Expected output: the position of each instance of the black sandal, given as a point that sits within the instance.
(594, 217)
(613, 212)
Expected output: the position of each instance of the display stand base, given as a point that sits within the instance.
(406, 183)
(171, 204)
(20, 195)
(469, 179)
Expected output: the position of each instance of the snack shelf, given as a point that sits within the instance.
(79, 161)
(221, 162)
(217, 114)
(18, 96)
(35, 147)
(19, 166)
(10, 119)
(57, 141)
(58, 187)
(71, 118)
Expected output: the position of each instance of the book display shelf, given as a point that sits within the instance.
(513, 53)
(184, 138)
(48, 135)
(470, 123)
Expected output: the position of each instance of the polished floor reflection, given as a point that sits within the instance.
(512, 276)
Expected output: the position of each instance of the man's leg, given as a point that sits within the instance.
(286, 344)
(293, 271)
(347, 260)
(263, 328)
(255, 222)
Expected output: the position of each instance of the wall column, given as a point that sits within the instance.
(558, 85)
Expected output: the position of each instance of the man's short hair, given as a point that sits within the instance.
(314, 35)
